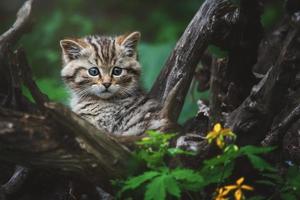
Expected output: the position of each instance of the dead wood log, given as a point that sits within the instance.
(61, 140)
(256, 113)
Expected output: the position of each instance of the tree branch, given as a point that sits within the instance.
(12, 35)
(184, 58)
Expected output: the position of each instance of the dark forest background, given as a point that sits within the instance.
(161, 23)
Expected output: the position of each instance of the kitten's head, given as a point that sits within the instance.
(101, 66)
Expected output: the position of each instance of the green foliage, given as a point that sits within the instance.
(155, 148)
(161, 181)
(165, 181)
(135, 182)
(160, 186)
(232, 152)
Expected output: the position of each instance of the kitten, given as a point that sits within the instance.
(103, 75)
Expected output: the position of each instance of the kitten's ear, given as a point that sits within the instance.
(71, 49)
(130, 42)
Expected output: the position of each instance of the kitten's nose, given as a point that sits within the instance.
(106, 85)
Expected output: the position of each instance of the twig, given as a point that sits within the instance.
(279, 129)
(26, 74)
(16, 181)
(215, 87)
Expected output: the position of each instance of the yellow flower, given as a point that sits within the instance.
(221, 193)
(238, 187)
(218, 133)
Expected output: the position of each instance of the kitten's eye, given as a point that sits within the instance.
(94, 71)
(117, 71)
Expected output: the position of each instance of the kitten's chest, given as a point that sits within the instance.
(129, 117)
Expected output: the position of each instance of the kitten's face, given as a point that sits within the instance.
(101, 66)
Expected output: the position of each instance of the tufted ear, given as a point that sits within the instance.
(71, 49)
(130, 42)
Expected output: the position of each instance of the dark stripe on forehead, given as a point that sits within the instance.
(113, 52)
(106, 48)
(95, 49)
(99, 41)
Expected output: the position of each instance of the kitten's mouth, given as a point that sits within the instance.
(106, 91)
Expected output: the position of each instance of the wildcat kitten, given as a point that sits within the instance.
(103, 75)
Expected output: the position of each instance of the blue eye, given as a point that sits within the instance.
(94, 71)
(117, 71)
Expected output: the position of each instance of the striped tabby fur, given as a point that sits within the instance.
(109, 95)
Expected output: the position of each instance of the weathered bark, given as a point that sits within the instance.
(184, 58)
(78, 147)
(218, 70)
(21, 25)
(256, 113)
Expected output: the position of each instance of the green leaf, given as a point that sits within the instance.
(222, 159)
(160, 186)
(153, 159)
(178, 151)
(249, 149)
(156, 189)
(187, 175)
(188, 179)
(259, 163)
(172, 186)
(218, 173)
(137, 181)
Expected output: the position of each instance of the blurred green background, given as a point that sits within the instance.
(161, 23)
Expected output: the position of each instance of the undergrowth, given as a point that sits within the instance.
(219, 177)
